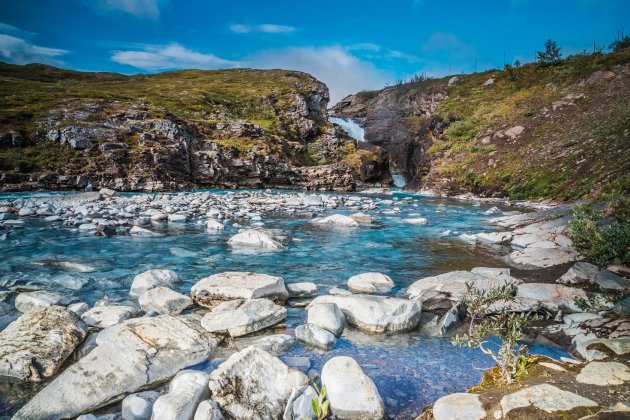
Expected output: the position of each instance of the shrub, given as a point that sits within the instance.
(510, 356)
(551, 56)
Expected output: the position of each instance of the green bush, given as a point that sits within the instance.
(601, 241)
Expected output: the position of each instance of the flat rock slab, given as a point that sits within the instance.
(460, 406)
(544, 397)
(351, 393)
(142, 352)
(253, 384)
(34, 346)
(242, 318)
(604, 374)
(533, 258)
(553, 297)
(376, 314)
(238, 285)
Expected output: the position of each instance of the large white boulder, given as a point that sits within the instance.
(299, 406)
(459, 406)
(187, 389)
(328, 316)
(139, 354)
(552, 297)
(370, 283)
(336, 220)
(255, 238)
(208, 410)
(139, 406)
(238, 285)
(302, 290)
(254, 384)
(376, 314)
(351, 393)
(34, 346)
(544, 397)
(239, 318)
(106, 316)
(274, 344)
(28, 301)
(315, 336)
(153, 278)
(164, 301)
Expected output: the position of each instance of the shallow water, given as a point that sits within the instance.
(409, 370)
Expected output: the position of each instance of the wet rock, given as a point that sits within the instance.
(79, 308)
(362, 218)
(461, 406)
(105, 316)
(238, 285)
(214, 225)
(299, 406)
(552, 297)
(163, 300)
(580, 272)
(370, 283)
(315, 336)
(544, 397)
(336, 220)
(327, 316)
(139, 231)
(139, 406)
(376, 314)
(495, 237)
(242, 318)
(187, 389)
(153, 278)
(28, 301)
(604, 374)
(145, 351)
(255, 238)
(253, 384)
(274, 344)
(299, 290)
(104, 230)
(34, 346)
(416, 221)
(343, 377)
(208, 410)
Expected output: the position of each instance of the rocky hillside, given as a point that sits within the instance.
(227, 128)
(524, 132)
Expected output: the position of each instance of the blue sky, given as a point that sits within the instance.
(350, 45)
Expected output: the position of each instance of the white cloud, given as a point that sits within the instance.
(342, 72)
(16, 48)
(149, 9)
(267, 28)
(171, 56)
(448, 43)
(370, 50)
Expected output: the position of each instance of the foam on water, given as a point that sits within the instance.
(350, 126)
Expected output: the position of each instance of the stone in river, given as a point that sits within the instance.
(238, 285)
(336, 220)
(139, 406)
(304, 289)
(370, 283)
(105, 316)
(274, 344)
(144, 352)
(34, 346)
(255, 238)
(328, 316)
(28, 301)
(153, 278)
(253, 384)
(208, 410)
(164, 301)
(242, 318)
(351, 393)
(461, 406)
(299, 406)
(315, 336)
(187, 389)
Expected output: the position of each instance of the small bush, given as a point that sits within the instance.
(552, 55)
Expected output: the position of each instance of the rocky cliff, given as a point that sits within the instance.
(227, 128)
(524, 132)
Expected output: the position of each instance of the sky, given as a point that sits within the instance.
(349, 45)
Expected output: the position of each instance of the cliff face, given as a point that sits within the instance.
(227, 128)
(526, 132)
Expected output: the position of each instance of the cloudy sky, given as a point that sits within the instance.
(350, 45)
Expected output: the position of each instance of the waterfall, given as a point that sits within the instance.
(399, 180)
(350, 126)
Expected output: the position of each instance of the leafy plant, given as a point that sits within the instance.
(320, 404)
(510, 356)
(551, 56)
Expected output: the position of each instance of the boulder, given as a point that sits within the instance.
(274, 344)
(27, 301)
(376, 314)
(552, 297)
(351, 393)
(143, 352)
(139, 406)
(460, 406)
(239, 318)
(208, 410)
(153, 278)
(254, 384)
(105, 316)
(255, 238)
(327, 316)
(416, 221)
(336, 220)
(315, 336)
(34, 346)
(610, 281)
(544, 397)
(238, 285)
(187, 389)
(214, 225)
(580, 272)
(370, 283)
(302, 290)
(164, 301)
(604, 374)
(299, 406)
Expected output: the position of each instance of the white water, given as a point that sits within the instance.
(399, 180)
(350, 126)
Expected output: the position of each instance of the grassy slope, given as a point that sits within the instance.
(573, 151)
